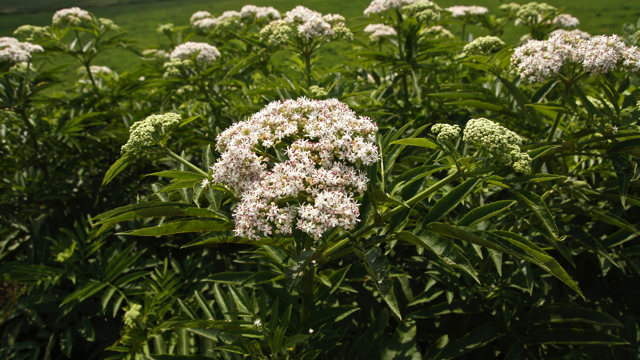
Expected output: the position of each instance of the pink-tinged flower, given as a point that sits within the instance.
(566, 21)
(601, 53)
(312, 189)
(579, 33)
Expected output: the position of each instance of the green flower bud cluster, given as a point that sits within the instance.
(21, 68)
(166, 29)
(132, 315)
(317, 92)
(498, 141)
(511, 8)
(484, 46)
(276, 33)
(151, 130)
(31, 33)
(446, 132)
(423, 11)
(109, 24)
(173, 68)
(534, 9)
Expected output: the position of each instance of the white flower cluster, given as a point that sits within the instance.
(73, 16)
(498, 141)
(150, 130)
(538, 59)
(259, 12)
(377, 31)
(566, 21)
(484, 45)
(199, 15)
(325, 139)
(380, 6)
(306, 24)
(602, 53)
(14, 51)
(206, 53)
(579, 33)
(204, 20)
(446, 132)
(463, 11)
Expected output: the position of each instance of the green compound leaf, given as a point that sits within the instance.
(625, 171)
(332, 314)
(613, 220)
(541, 151)
(181, 226)
(235, 278)
(228, 237)
(474, 339)
(574, 337)
(135, 207)
(540, 208)
(535, 178)
(182, 184)
(177, 174)
(401, 346)
(378, 268)
(508, 243)
(118, 166)
(484, 212)
(444, 248)
(420, 142)
(450, 201)
(145, 212)
(564, 314)
(369, 345)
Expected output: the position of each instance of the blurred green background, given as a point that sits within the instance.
(141, 17)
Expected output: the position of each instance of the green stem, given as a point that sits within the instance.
(307, 63)
(85, 62)
(25, 80)
(185, 162)
(556, 122)
(307, 293)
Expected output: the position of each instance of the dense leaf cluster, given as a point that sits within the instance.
(455, 254)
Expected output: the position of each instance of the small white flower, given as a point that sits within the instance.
(257, 323)
(310, 331)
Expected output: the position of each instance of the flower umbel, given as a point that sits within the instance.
(312, 187)
(206, 53)
(484, 46)
(498, 141)
(153, 129)
(446, 132)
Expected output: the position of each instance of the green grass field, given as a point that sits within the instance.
(141, 19)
